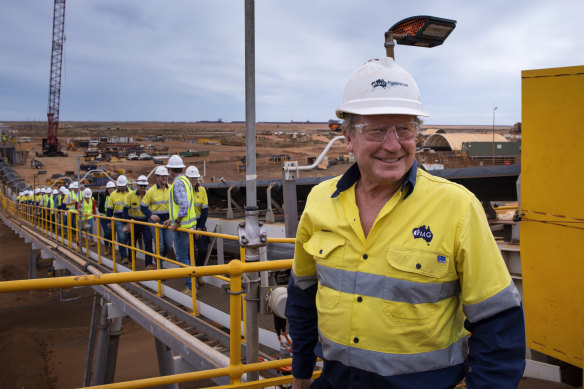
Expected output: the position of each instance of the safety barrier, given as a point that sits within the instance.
(57, 224)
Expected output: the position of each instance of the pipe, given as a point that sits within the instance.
(320, 157)
(91, 342)
(102, 341)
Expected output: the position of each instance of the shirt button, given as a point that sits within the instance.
(356, 340)
(418, 266)
(320, 252)
(365, 256)
(359, 299)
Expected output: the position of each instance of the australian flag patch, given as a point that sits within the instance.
(441, 259)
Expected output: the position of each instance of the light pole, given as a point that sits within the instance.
(493, 145)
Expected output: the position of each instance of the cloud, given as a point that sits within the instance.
(185, 60)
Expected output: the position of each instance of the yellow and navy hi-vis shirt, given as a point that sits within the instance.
(116, 202)
(156, 199)
(394, 302)
(133, 201)
(200, 199)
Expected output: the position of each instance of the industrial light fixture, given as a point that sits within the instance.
(423, 31)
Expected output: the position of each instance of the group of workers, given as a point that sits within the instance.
(183, 204)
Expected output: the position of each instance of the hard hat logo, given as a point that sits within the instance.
(382, 83)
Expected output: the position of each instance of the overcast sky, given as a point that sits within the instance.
(183, 60)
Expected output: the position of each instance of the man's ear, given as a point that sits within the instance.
(348, 141)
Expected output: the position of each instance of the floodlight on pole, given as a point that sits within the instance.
(423, 31)
(493, 145)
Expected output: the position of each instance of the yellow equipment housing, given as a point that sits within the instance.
(552, 227)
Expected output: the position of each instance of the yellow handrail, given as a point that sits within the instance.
(233, 269)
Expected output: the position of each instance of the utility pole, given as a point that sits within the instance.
(493, 145)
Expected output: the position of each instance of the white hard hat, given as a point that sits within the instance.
(55, 191)
(192, 172)
(87, 192)
(381, 87)
(142, 180)
(110, 184)
(122, 181)
(61, 188)
(65, 191)
(161, 171)
(73, 185)
(37, 190)
(175, 162)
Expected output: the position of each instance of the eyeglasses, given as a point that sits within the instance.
(403, 131)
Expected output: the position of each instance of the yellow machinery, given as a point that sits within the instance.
(552, 227)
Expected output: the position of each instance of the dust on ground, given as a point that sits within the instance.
(297, 140)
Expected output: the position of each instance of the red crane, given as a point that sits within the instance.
(51, 143)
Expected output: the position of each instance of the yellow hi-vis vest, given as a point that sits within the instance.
(87, 208)
(71, 196)
(190, 219)
(156, 199)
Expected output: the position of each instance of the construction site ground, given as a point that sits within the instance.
(222, 160)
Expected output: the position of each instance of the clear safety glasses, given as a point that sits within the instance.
(374, 133)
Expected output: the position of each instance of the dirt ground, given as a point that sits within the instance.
(43, 340)
(221, 161)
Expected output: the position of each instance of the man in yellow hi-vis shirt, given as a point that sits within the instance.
(392, 266)
(115, 208)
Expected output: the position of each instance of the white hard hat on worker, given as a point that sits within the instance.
(380, 101)
(175, 162)
(192, 172)
(142, 181)
(381, 87)
(122, 181)
(161, 171)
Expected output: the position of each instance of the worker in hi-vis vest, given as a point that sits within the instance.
(182, 213)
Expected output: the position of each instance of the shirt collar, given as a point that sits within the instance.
(158, 186)
(353, 174)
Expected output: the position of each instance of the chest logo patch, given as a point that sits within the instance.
(423, 232)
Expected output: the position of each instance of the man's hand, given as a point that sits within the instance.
(301, 383)
(167, 223)
(155, 218)
(174, 226)
(109, 225)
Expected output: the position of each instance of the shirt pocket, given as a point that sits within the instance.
(328, 251)
(415, 281)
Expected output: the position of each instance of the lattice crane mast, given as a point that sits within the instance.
(51, 143)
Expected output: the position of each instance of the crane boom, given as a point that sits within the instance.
(51, 145)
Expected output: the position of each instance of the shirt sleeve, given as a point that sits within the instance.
(180, 196)
(492, 306)
(301, 304)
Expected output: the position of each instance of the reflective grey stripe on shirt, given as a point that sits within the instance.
(163, 212)
(386, 288)
(154, 203)
(505, 299)
(304, 282)
(185, 221)
(387, 364)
